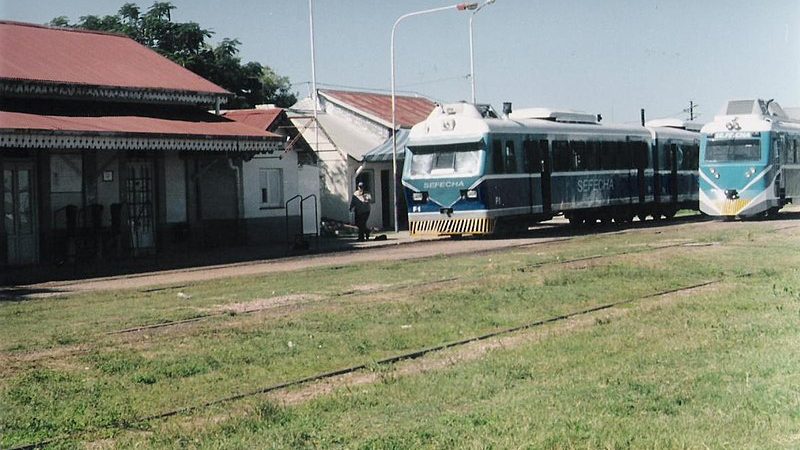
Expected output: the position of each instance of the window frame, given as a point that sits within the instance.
(265, 199)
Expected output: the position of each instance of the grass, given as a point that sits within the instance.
(717, 368)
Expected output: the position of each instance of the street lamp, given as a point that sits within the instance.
(460, 7)
(471, 51)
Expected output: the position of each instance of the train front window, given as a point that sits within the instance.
(733, 150)
(452, 159)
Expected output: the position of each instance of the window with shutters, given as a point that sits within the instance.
(271, 184)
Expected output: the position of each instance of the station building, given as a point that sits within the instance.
(108, 150)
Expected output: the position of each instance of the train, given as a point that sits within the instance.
(470, 170)
(749, 160)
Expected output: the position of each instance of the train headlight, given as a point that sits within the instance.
(419, 197)
(471, 194)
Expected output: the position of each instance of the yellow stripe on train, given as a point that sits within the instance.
(441, 227)
(733, 207)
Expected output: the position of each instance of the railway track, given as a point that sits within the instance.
(411, 355)
(208, 316)
(400, 357)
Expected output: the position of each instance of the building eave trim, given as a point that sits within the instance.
(30, 89)
(37, 140)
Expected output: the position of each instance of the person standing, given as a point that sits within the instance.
(360, 204)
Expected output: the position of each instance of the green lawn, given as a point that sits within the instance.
(717, 368)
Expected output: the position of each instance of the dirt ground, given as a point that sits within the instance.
(400, 247)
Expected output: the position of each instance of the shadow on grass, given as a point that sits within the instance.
(21, 294)
(171, 260)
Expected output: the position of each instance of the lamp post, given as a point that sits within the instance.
(459, 7)
(471, 51)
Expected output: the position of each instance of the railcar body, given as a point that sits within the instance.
(749, 160)
(470, 171)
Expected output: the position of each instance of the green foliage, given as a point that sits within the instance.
(186, 44)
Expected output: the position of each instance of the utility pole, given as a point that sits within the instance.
(642, 116)
(690, 110)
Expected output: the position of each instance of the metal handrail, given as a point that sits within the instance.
(316, 216)
(302, 201)
(286, 210)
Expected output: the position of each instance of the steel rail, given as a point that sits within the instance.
(416, 354)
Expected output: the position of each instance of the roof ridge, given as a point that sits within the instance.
(377, 92)
(57, 28)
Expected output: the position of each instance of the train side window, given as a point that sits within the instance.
(562, 156)
(618, 155)
(510, 156)
(497, 156)
(638, 154)
(542, 152)
(578, 149)
(530, 158)
(584, 155)
(669, 150)
(691, 157)
(593, 152)
(662, 152)
(608, 157)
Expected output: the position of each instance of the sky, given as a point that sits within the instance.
(609, 57)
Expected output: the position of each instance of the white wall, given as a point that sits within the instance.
(175, 187)
(309, 183)
(252, 188)
(337, 176)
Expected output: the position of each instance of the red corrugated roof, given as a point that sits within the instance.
(258, 118)
(212, 126)
(409, 110)
(38, 53)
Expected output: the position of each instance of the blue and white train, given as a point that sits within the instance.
(749, 161)
(471, 171)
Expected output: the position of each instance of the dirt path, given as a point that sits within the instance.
(383, 252)
(398, 249)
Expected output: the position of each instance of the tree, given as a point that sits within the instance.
(185, 44)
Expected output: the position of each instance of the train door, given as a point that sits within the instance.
(674, 155)
(547, 200)
(19, 211)
(640, 159)
(658, 163)
(537, 160)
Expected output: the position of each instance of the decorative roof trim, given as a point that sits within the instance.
(31, 88)
(77, 141)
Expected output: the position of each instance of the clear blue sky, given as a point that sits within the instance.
(601, 56)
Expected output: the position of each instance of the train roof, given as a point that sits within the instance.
(751, 115)
(673, 122)
(463, 122)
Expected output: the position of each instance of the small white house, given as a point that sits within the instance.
(349, 125)
(276, 185)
